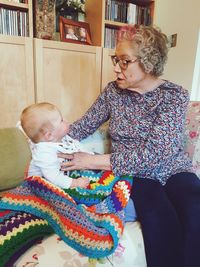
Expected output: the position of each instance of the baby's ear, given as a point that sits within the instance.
(48, 136)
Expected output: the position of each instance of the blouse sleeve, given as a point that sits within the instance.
(96, 115)
(165, 139)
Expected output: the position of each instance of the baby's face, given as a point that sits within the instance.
(61, 127)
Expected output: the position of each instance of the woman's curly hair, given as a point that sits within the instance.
(151, 45)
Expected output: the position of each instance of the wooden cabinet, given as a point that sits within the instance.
(35, 70)
(68, 75)
(16, 18)
(108, 74)
(104, 18)
(16, 78)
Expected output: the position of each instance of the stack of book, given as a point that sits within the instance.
(110, 37)
(13, 22)
(127, 12)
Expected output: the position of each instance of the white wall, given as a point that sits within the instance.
(181, 17)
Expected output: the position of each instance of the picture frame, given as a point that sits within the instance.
(77, 32)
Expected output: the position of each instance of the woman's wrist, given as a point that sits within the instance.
(100, 162)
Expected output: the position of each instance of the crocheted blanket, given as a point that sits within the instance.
(89, 220)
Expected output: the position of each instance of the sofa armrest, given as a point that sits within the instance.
(192, 145)
(15, 156)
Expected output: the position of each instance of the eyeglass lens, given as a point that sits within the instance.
(122, 62)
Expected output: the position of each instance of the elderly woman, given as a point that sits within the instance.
(146, 123)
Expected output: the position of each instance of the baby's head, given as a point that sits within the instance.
(43, 122)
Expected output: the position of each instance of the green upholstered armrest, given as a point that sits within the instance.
(14, 157)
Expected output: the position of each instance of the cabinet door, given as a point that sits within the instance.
(108, 74)
(68, 75)
(16, 78)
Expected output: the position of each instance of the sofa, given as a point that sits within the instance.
(46, 248)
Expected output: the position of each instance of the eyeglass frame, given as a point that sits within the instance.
(126, 61)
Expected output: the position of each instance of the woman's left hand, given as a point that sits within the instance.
(77, 161)
(82, 161)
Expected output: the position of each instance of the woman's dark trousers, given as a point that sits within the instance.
(170, 220)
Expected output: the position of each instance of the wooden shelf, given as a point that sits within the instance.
(14, 4)
(96, 17)
(24, 8)
(138, 2)
(114, 24)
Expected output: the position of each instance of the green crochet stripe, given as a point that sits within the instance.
(17, 242)
(75, 194)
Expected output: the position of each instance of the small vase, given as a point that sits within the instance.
(81, 16)
(69, 13)
(44, 26)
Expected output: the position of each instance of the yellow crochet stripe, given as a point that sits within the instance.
(22, 227)
(106, 181)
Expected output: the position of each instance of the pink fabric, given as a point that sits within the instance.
(193, 134)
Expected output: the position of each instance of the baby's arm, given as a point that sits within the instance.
(57, 177)
(48, 162)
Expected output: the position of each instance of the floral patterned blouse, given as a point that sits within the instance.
(146, 130)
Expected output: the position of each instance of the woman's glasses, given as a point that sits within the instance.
(123, 63)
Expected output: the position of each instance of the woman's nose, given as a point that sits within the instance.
(117, 68)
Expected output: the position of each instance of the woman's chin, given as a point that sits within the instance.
(121, 84)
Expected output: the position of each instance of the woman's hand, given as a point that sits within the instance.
(82, 161)
(77, 161)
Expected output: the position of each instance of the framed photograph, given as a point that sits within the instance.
(74, 31)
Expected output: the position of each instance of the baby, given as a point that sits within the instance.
(44, 126)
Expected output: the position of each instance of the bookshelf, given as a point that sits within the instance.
(16, 18)
(106, 16)
(32, 68)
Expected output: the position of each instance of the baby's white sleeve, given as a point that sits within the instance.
(57, 177)
(49, 164)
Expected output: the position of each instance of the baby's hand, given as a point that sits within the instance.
(83, 182)
(80, 182)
